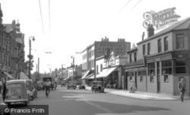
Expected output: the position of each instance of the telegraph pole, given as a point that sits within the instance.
(30, 57)
(38, 67)
(73, 67)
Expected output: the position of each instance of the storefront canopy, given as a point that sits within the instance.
(106, 72)
(85, 74)
(23, 75)
(8, 75)
(91, 76)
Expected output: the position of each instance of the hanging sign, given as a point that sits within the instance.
(161, 18)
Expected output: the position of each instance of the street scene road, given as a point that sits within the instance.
(84, 102)
(94, 57)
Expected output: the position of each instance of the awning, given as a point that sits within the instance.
(8, 75)
(23, 75)
(85, 74)
(106, 72)
(91, 76)
(66, 78)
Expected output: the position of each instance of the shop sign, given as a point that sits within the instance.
(161, 18)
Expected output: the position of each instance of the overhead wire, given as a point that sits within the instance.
(41, 16)
(49, 13)
(137, 4)
(126, 4)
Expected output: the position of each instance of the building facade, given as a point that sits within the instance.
(100, 48)
(11, 48)
(160, 61)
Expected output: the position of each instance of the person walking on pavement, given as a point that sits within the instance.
(4, 89)
(47, 87)
(181, 87)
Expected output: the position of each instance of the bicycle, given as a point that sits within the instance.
(47, 91)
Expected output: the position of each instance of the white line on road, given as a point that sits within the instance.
(98, 106)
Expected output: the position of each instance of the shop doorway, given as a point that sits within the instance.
(126, 80)
(136, 80)
(158, 76)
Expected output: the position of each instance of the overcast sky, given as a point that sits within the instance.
(75, 24)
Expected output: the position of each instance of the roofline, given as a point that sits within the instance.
(87, 48)
(100, 57)
(134, 49)
(160, 33)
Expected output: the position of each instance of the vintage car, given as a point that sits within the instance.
(17, 92)
(97, 86)
(71, 86)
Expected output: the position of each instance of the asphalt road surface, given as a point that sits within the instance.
(84, 102)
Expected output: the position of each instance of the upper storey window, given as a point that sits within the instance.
(166, 43)
(159, 46)
(180, 41)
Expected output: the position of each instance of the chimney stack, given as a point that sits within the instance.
(150, 30)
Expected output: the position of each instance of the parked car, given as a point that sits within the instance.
(17, 92)
(97, 86)
(81, 86)
(71, 86)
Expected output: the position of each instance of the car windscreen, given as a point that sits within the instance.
(15, 91)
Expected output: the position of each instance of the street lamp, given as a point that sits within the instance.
(73, 64)
(31, 38)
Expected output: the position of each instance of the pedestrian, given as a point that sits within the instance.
(181, 87)
(4, 88)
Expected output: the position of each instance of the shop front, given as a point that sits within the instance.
(166, 70)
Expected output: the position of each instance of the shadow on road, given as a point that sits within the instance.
(112, 108)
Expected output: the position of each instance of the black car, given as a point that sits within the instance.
(71, 86)
(81, 87)
(97, 86)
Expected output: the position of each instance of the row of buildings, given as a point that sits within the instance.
(155, 64)
(12, 53)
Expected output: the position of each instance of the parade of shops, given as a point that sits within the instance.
(155, 65)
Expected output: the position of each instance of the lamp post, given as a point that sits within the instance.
(73, 64)
(30, 56)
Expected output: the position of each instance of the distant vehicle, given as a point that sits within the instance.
(17, 92)
(81, 86)
(97, 86)
(71, 86)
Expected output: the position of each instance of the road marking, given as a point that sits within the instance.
(98, 106)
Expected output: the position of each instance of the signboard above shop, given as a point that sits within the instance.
(160, 19)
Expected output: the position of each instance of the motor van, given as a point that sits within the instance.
(18, 92)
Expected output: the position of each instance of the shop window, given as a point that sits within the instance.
(167, 67)
(180, 67)
(141, 73)
(101, 67)
(97, 69)
(166, 43)
(159, 46)
(180, 41)
(166, 79)
(151, 78)
(141, 78)
(130, 73)
(130, 57)
(131, 78)
(148, 49)
(135, 56)
(144, 49)
(151, 69)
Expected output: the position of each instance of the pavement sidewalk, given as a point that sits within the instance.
(139, 95)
